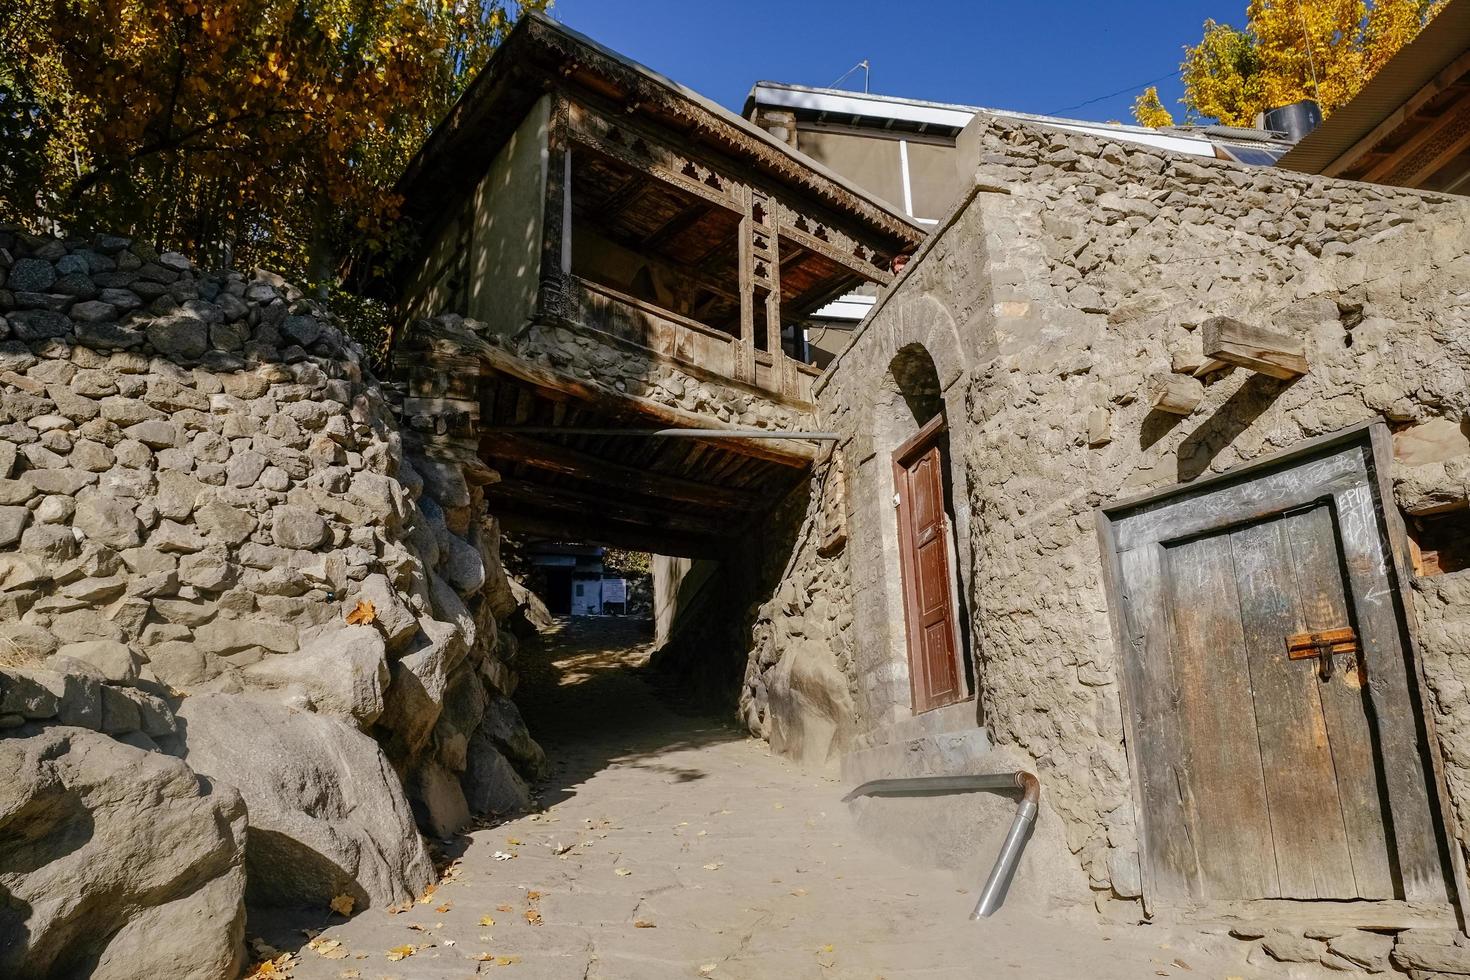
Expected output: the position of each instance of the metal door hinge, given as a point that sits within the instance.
(895, 500)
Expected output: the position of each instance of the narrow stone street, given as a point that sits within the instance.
(672, 845)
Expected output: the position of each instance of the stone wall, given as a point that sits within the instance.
(206, 499)
(1072, 271)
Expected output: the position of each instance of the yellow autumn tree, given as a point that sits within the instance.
(246, 130)
(1150, 111)
(1291, 50)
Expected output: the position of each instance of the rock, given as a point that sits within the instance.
(327, 814)
(490, 783)
(343, 674)
(506, 729)
(464, 567)
(13, 521)
(223, 523)
(108, 521)
(211, 571)
(1430, 953)
(31, 692)
(31, 276)
(179, 335)
(32, 641)
(1368, 950)
(415, 698)
(1289, 947)
(227, 636)
(809, 707)
(444, 481)
(116, 661)
(118, 863)
(299, 528)
(438, 801)
(391, 615)
(38, 324)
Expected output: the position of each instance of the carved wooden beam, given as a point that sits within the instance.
(617, 404)
(1268, 352)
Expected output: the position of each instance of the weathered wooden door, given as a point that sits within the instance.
(924, 553)
(1273, 708)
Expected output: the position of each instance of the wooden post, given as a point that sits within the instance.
(1266, 351)
(745, 354)
(556, 237)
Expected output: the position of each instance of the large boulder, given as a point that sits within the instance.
(506, 730)
(491, 784)
(341, 673)
(116, 862)
(809, 707)
(327, 813)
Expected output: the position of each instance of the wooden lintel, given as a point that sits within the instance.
(612, 534)
(555, 458)
(1268, 352)
(609, 401)
(1177, 394)
(582, 503)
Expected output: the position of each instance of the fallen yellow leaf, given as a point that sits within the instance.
(707, 969)
(506, 960)
(362, 613)
(332, 949)
(485, 920)
(643, 924)
(533, 917)
(401, 952)
(533, 896)
(712, 866)
(343, 904)
(445, 907)
(505, 908)
(621, 872)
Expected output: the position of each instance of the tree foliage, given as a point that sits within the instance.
(1149, 111)
(262, 131)
(1291, 50)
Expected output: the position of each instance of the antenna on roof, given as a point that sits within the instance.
(843, 77)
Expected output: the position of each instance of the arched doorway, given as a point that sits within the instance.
(917, 431)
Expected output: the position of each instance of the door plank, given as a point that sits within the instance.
(1312, 538)
(1168, 846)
(1307, 829)
(1415, 836)
(1226, 786)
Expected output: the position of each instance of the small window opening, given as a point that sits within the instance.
(1440, 543)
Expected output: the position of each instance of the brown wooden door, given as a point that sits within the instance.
(924, 550)
(1260, 775)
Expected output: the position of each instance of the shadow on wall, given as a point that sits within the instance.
(1218, 430)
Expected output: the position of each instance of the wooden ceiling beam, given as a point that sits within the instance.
(1446, 79)
(525, 494)
(620, 405)
(613, 535)
(678, 223)
(1427, 150)
(553, 457)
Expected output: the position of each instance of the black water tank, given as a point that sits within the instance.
(1295, 120)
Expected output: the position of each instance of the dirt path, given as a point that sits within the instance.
(674, 846)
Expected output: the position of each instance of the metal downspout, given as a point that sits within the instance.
(1010, 851)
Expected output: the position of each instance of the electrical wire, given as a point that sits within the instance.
(1122, 91)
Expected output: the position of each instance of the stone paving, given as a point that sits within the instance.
(671, 845)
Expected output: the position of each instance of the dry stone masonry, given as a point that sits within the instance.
(221, 557)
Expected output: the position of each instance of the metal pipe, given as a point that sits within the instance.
(553, 430)
(1004, 868)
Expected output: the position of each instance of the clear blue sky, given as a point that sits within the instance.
(1027, 55)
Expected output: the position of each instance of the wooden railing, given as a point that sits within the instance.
(687, 342)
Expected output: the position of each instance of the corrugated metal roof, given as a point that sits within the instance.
(1442, 41)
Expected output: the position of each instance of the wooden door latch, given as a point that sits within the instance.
(1322, 646)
